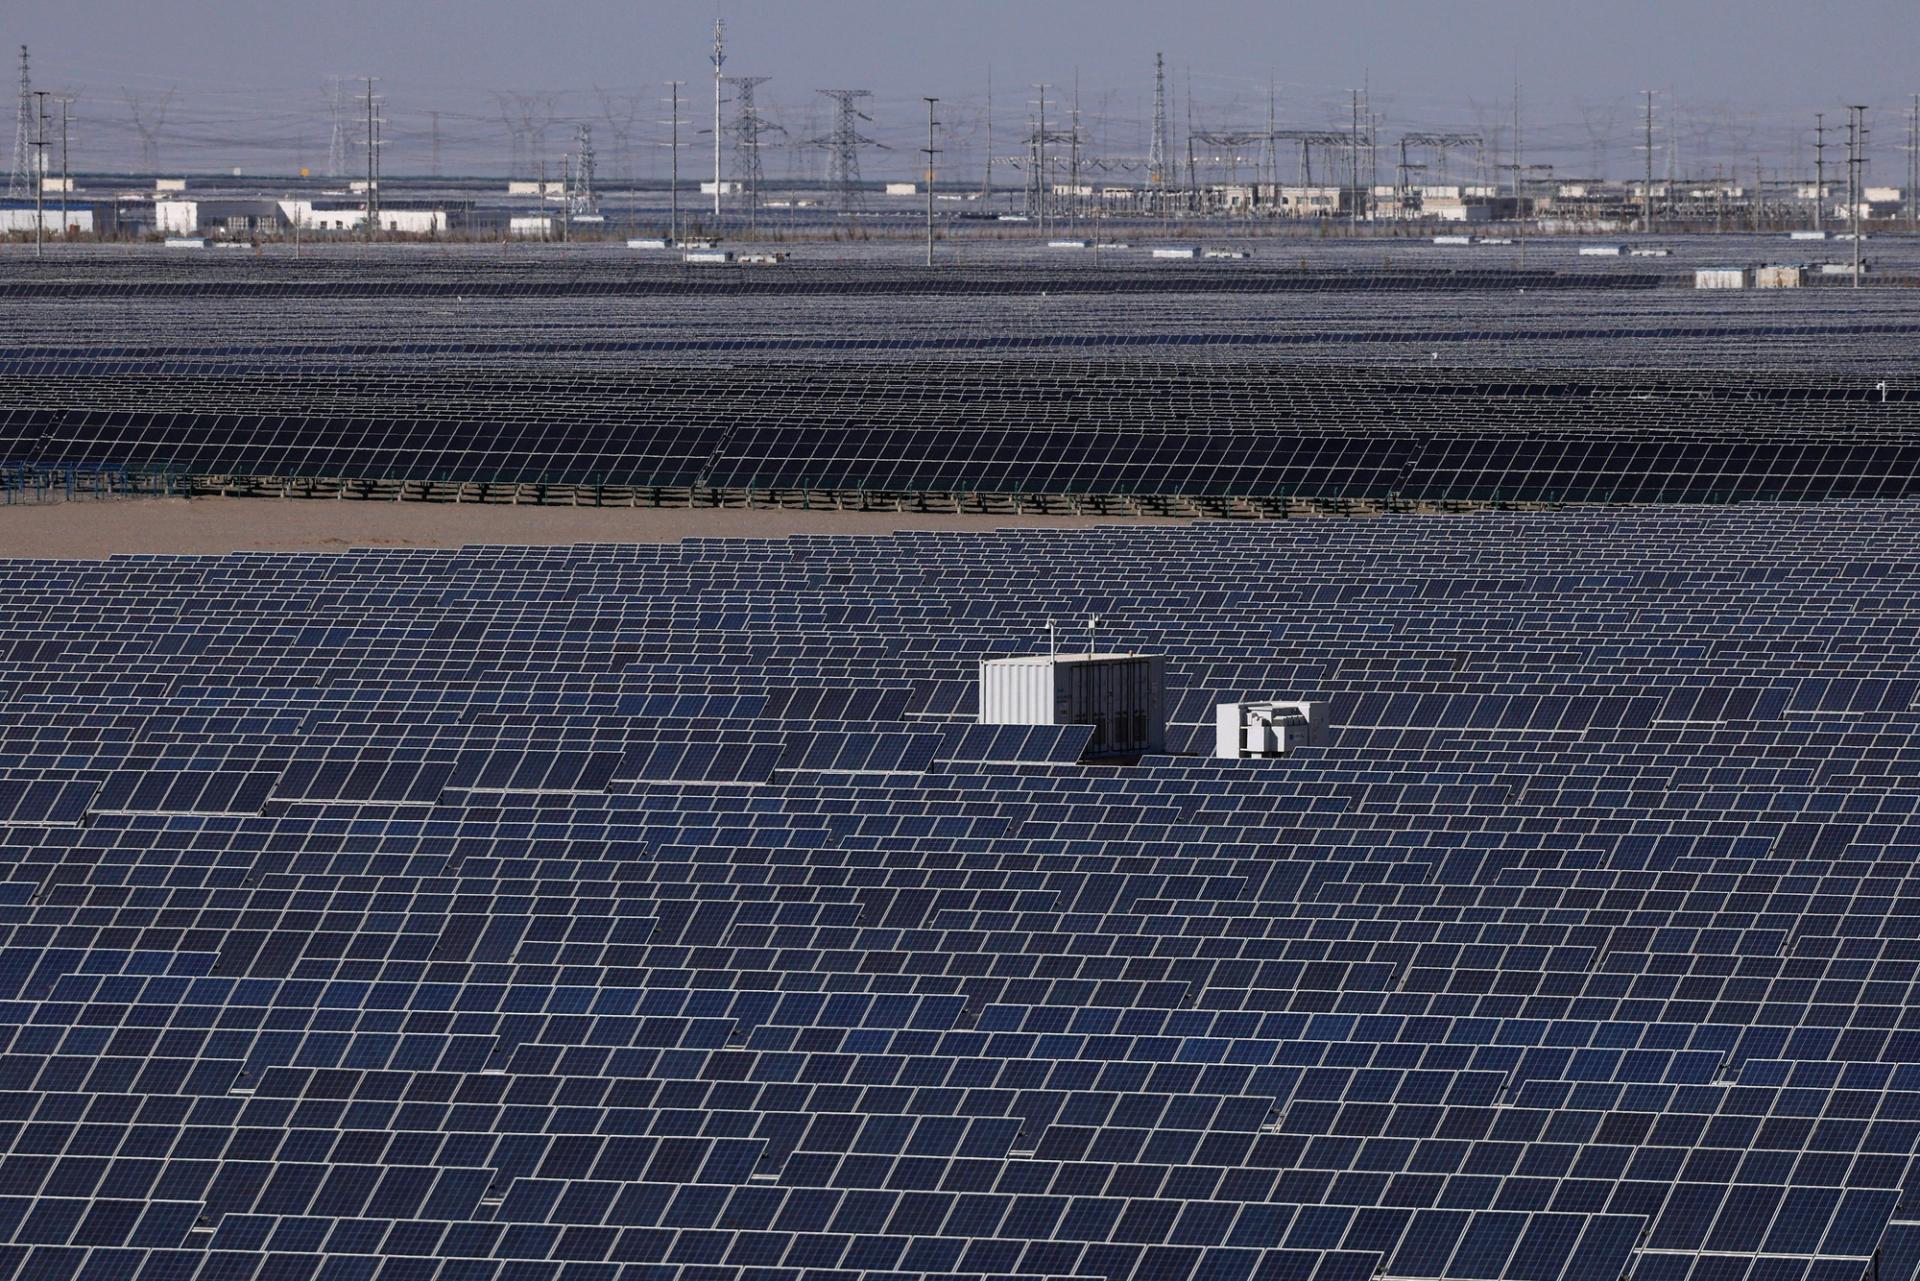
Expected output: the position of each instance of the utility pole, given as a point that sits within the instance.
(1157, 149)
(1519, 175)
(39, 173)
(1040, 162)
(1353, 148)
(986, 181)
(931, 152)
(673, 182)
(1856, 164)
(1073, 162)
(1646, 193)
(434, 168)
(1271, 153)
(66, 175)
(373, 150)
(1193, 174)
(719, 60)
(1819, 171)
(566, 197)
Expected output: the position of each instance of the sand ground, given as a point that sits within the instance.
(213, 526)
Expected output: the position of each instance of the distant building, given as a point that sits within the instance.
(229, 217)
(18, 217)
(405, 218)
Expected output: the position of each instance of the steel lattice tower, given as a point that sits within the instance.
(582, 198)
(337, 140)
(20, 179)
(1157, 149)
(748, 127)
(843, 146)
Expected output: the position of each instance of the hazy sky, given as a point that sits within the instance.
(248, 76)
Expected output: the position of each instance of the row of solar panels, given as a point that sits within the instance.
(1296, 1001)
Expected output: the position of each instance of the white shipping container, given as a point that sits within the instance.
(708, 255)
(649, 242)
(1453, 240)
(1176, 253)
(1722, 278)
(1123, 696)
(1602, 251)
(1779, 278)
(1809, 235)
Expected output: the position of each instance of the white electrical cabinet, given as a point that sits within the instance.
(1243, 730)
(1122, 696)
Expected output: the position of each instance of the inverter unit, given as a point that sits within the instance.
(1254, 730)
(1122, 696)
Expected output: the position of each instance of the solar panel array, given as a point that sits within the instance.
(1318, 371)
(658, 912)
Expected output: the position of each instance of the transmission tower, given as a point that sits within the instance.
(148, 120)
(843, 146)
(337, 143)
(581, 198)
(20, 178)
(1157, 151)
(748, 128)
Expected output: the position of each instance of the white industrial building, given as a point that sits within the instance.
(20, 218)
(189, 217)
(338, 215)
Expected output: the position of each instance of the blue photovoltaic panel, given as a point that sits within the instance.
(660, 911)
